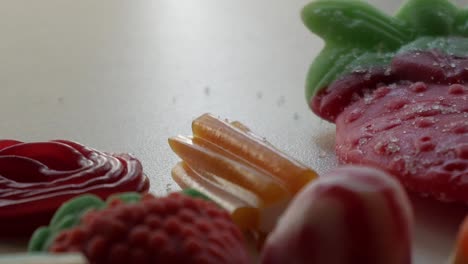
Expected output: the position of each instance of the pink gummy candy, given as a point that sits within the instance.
(352, 215)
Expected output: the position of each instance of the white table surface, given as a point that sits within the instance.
(123, 76)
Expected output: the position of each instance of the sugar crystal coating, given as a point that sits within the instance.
(397, 91)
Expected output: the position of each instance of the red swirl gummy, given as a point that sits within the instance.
(396, 89)
(36, 178)
(130, 228)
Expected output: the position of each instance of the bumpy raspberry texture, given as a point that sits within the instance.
(172, 229)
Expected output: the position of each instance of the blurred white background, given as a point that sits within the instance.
(123, 76)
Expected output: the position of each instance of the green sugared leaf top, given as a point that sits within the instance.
(195, 194)
(355, 23)
(359, 36)
(429, 17)
(69, 215)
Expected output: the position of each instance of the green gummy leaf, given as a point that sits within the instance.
(429, 17)
(76, 207)
(369, 60)
(69, 216)
(128, 197)
(355, 23)
(38, 240)
(461, 23)
(328, 65)
(196, 194)
(457, 46)
(359, 37)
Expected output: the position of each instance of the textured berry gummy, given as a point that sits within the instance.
(411, 120)
(173, 229)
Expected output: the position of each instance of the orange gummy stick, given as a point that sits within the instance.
(243, 208)
(206, 161)
(461, 251)
(236, 138)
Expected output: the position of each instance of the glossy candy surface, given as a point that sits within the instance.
(349, 215)
(420, 61)
(417, 129)
(240, 171)
(36, 178)
(359, 37)
(399, 100)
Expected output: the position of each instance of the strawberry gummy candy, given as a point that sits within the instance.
(396, 92)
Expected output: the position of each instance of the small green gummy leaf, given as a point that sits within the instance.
(461, 23)
(328, 65)
(69, 221)
(359, 37)
(355, 23)
(457, 46)
(76, 207)
(369, 60)
(334, 62)
(65, 223)
(38, 239)
(429, 17)
(67, 216)
(196, 194)
(128, 197)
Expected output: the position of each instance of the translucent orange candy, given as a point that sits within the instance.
(460, 255)
(239, 170)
